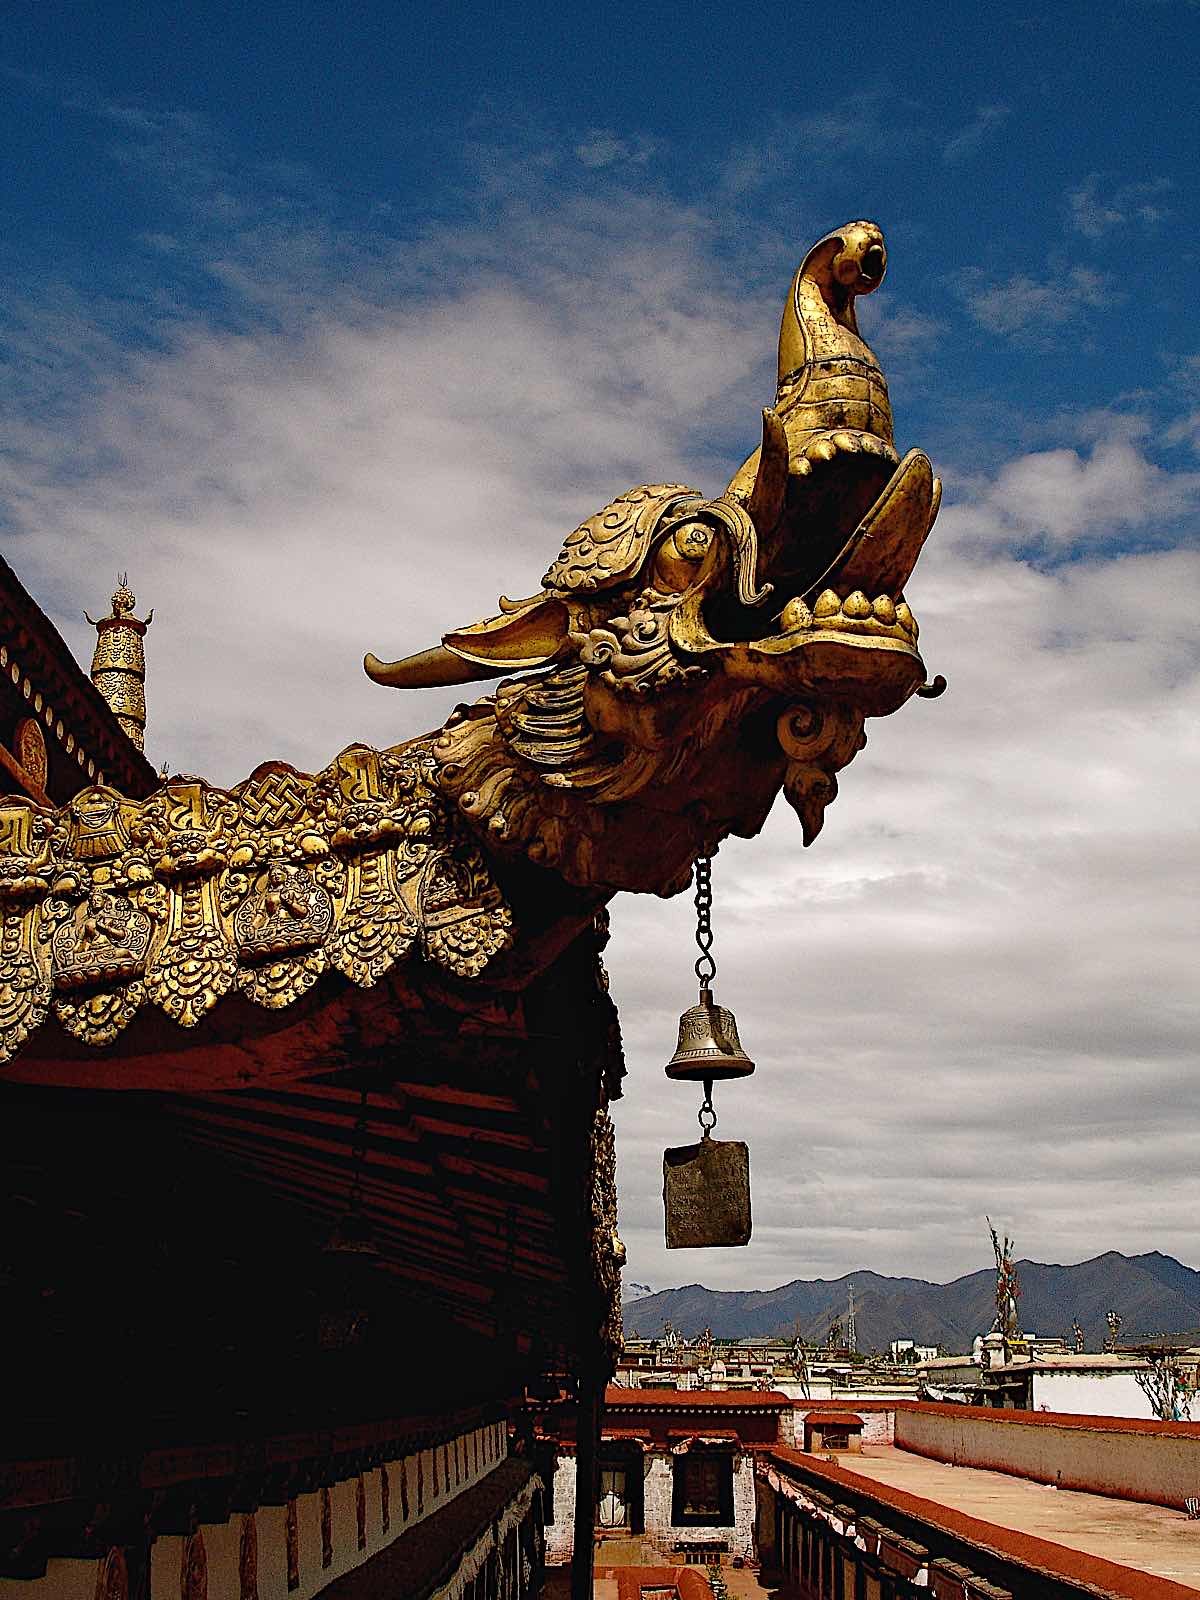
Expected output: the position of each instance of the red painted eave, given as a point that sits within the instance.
(695, 1399)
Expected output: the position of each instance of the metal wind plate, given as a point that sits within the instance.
(706, 1194)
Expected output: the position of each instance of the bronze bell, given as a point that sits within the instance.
(709, 1049)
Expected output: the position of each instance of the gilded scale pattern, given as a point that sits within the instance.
(110, 904)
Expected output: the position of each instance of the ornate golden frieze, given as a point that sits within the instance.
(111, 904)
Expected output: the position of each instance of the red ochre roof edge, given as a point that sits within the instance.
(691, 1399)
(1024, 1547)
(834, 1404)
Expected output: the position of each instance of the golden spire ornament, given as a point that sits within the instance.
(706, 1186)
(119, 661)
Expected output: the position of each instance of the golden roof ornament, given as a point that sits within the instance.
(119, 661)
(684, 659)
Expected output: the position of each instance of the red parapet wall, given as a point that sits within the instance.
(1042, 1555)
(1154, 1462)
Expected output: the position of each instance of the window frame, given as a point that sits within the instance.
(681, 1517)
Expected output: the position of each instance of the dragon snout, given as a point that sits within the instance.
(874, 263)
(860, 263)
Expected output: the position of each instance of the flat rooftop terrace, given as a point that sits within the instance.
(1147, 1538)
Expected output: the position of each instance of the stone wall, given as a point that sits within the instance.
(659, 1493)
(658, 1486)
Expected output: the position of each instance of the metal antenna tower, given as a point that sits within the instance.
(851, 1330)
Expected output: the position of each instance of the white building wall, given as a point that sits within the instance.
(822, 1388)
(1156, 1462)
(560, 1534)
(1090, 1394)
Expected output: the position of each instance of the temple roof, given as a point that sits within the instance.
(695, 1399)
(40, 677)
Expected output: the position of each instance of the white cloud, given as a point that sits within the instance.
(601, 147)
(280, 493)
(790, 148)
(1185, 430)
(896, 330)
(1025, 304)
(1096, 210)
(968, 140)
(976, 991)
(1064, 497)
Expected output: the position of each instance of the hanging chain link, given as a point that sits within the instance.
(706, 969)
(706, 966)
(707, 1114)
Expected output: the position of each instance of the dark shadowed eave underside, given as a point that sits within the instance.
(199, 1223)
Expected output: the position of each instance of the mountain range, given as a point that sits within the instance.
(1153, 1294)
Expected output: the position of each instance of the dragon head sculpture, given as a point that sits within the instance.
(684, 659)
(686, 656)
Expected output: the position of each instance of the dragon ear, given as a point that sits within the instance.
(528, 634)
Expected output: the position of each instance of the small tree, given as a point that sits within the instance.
(1166, 1387)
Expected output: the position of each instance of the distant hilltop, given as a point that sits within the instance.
(634, 1291)
(1153, 1294)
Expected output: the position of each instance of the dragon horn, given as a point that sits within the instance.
(765, 500)
(429, 669)
(527, 633)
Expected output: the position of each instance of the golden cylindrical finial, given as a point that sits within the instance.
(119, 662)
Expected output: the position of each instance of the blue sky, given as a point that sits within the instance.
(328, 326)
(1034, 166)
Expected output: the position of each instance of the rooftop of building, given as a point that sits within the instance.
(1121, 1546)
(42, 679)
(1099, 1361)
(695, 1399)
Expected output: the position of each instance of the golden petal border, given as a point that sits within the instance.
(109, 904)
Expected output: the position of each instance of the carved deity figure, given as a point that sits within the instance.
(685, 657)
